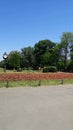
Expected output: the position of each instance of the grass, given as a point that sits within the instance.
(19, 83)
(68, 81)
(23, 71)
(1, 70)
(36, 83)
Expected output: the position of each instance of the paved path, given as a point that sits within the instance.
(42, 108)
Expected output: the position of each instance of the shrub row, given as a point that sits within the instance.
(50, 69)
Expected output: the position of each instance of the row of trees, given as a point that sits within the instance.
(44, 53)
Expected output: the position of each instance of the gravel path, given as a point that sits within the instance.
(39, 108)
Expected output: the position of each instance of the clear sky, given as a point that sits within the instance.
(25, 22)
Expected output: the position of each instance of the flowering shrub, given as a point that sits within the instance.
(33, 76)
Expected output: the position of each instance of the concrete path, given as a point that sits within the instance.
(42, 108)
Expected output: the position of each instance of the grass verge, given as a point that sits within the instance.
(35, 83)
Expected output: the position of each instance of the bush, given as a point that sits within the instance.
(50, 69)
(60, 66)
(70, 67)
(19, 70)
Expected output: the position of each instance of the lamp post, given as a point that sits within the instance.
(5, 57)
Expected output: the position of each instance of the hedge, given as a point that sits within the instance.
(50, 69)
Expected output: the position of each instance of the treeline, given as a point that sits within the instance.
(44, 54)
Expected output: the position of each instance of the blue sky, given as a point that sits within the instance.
(25, 22)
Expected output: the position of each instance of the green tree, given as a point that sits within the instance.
(1, 63)
(27, 57)
(14, 60)
(66, 42)
(71, 60)
(42, 51)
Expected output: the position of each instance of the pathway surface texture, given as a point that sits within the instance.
(39, 108)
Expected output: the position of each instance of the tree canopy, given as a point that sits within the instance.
(44, 53)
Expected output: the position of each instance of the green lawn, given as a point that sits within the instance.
(36, 83)
(1, 69)
(23, 71)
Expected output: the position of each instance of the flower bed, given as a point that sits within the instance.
(34, 76)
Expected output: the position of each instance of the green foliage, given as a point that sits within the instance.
(44, 53)
(60, 66)
(50, 69)
(27, 57)
(66, 43)
(2, 64)
(14, 60)
(70, 67)
(45, 58)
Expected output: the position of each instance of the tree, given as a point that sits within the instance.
(27, 57)
(14, 60)
(66, 42)
(42, 51)
(71, 60)
(2, 64)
